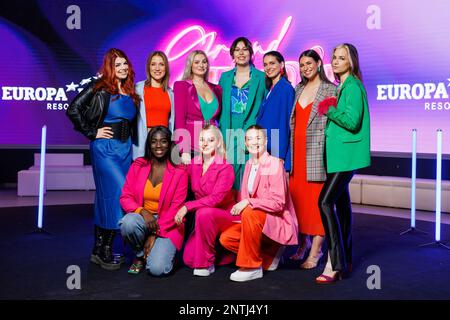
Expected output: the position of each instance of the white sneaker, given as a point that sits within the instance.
(246, 275)
(276, 260)
(204, 272)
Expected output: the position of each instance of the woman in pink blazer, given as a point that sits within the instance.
(212, 180)
(154, 191)
(268, 220)
(197, 103)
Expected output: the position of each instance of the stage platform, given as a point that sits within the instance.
(34, 266)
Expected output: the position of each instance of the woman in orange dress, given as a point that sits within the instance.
(307, 144)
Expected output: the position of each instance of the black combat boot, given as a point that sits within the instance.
(105, 255)
(98, 235)
(98, 241)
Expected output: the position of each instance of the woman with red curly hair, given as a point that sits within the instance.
(105, 112)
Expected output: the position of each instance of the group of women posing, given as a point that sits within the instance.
(264, 161)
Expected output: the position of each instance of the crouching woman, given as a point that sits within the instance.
(268, 220)
(155, 189)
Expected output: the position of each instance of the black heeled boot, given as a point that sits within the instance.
(98, 235)
(105, 255)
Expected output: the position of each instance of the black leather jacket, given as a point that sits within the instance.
(88, 110)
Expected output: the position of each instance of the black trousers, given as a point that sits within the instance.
(336, 212)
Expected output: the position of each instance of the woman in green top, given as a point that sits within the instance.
(347, 148)
(243, 90)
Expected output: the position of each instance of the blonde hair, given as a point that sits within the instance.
(187, 74)
(353, 58)
(165, 80)
(221, 149)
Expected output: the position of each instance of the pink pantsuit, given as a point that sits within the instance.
(214, 200)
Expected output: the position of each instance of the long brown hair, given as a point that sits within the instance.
(108, 80)
(165, 80)
(316, 57)
(279, 57)
(247, 44)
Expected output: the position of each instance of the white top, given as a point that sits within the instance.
(251, 178)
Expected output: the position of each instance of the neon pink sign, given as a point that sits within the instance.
(195, 37)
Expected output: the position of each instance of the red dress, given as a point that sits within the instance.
(305, 194)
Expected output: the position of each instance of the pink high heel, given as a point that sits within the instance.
(323, 279)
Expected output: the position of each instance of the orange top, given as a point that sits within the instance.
(157, 107)
(151, 197)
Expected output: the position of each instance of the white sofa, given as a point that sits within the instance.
(63, 171)
(395, 192)
(355, 189)
(67, 172)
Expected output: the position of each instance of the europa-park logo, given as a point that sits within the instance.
(433, 95)
(54, 98)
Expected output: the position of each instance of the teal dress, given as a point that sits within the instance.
(111, 159)
(208, 109)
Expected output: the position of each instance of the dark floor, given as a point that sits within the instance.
(33, 266)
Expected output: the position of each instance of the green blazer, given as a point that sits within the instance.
(348, 129)
(256, 96)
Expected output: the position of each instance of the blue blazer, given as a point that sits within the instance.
(274, 113)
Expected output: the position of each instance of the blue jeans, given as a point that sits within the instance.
(135, 232)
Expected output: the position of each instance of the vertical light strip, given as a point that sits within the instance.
(438, 184)
(413, 179)
(42, 177)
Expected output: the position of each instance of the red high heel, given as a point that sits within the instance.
(327, 279)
